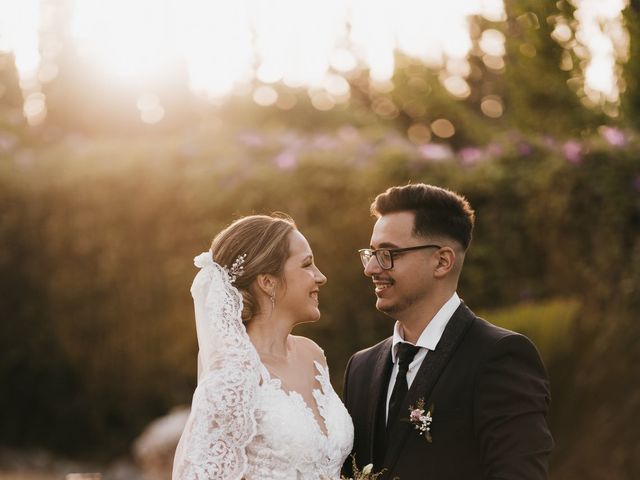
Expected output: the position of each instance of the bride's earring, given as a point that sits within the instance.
(272, 297)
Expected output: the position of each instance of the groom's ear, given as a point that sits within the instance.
(446, 262)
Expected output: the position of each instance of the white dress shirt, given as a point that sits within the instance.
(428, 340)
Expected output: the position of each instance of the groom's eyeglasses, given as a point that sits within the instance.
(384, 256)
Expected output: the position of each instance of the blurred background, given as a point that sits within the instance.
(132, 131)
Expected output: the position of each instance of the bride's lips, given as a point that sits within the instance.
(314, 295)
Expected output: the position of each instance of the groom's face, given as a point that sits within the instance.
(406, 286)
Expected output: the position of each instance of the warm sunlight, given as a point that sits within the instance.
(219, 47)
(128, 41)
(223, 44)
(601, 31)
(212, 35)
(19, 25)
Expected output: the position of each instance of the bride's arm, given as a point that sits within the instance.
(213, 442)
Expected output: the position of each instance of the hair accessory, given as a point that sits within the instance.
(237, 268)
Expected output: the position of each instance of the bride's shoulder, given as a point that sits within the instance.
(308, 347)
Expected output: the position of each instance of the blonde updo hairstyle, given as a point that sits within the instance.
(264, 240)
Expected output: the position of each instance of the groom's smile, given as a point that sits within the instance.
(381, 285)
(405, 281)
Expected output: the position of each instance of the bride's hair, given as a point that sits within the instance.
(264, 240)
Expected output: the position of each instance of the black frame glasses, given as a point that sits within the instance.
(384, 256)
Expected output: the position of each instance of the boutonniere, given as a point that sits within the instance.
(421, 419)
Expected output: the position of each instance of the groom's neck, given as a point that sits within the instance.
(413, 328)
(416, 319)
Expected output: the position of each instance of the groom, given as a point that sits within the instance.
(449, 396)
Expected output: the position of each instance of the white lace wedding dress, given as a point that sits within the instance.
(289, 443)
(243, 424)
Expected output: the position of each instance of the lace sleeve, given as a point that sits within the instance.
(222, 419)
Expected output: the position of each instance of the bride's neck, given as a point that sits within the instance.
(270, 338)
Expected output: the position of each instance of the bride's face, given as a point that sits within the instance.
(298, 298)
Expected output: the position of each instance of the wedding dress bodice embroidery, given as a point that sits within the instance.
(243, 424)
(289, 443)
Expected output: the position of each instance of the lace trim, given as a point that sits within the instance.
(222, 420)
(321, 395)
(290, 443)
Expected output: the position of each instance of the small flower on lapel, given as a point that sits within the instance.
(421, 419)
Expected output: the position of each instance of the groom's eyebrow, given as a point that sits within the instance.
(387, 245)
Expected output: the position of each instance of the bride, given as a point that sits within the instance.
(264, 407)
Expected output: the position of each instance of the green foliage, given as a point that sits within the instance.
(97, 232)
(631, 98)
(547, 323)
(96, 241)
(538, 94)
(422, 98)
(100, 216)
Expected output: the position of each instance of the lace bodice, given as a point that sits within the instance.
(289, 443)
(242, 424)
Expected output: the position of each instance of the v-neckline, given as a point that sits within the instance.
(320, 420)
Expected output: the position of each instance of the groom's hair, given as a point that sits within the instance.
(437, 211)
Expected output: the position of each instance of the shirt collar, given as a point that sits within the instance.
(432, 333)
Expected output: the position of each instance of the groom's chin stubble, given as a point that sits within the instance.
(386, 309)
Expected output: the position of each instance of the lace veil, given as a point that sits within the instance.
(222, 419)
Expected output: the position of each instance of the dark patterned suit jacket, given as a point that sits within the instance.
(490, 397)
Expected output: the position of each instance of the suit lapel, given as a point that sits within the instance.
(381, 371)
(427, 376)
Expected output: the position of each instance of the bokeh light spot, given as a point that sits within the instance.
(443, 128)
(265, 96)
(457, 86)
(419, 133)
(491, 106)
(321, 100)
(493, 62)
(492, 42)
(384, 107)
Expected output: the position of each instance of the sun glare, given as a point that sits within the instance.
(129, 41)
(215, 41)
(601, 30)
(19, 25)
(223, 46)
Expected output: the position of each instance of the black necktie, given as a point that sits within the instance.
(406, 352)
